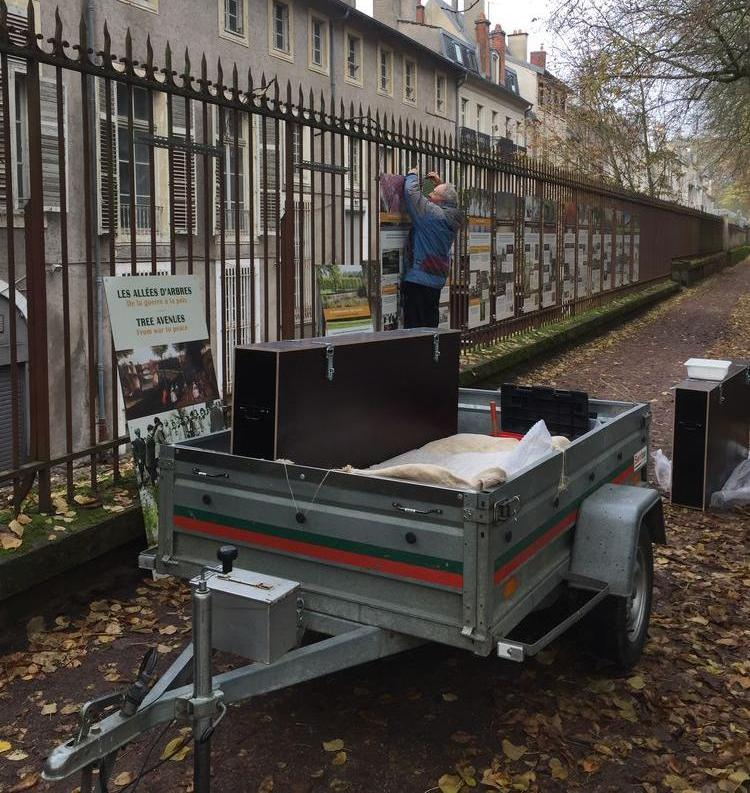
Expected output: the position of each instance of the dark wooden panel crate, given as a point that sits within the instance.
(711, 427)
(354, 399)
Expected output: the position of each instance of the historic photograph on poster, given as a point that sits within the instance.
(166, 376)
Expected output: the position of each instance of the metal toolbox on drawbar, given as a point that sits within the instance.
(355, 399)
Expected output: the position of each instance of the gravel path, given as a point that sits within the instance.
(557, 723)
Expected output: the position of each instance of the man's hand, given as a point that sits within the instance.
(435, 176)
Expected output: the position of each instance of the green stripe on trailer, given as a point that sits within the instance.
(349, 552)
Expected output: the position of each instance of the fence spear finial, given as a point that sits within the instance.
(3, 21)
(31, 26)
(149, 58)
(219, 78)
(107, 51)
(187, 78)
(128, 52)
(167, 70)
(204, 73)
(57, 39)
(83, 41)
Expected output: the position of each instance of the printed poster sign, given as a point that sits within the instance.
(344, 303)
(394, 240)
(166, 370)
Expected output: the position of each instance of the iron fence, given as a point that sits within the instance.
(127, 167)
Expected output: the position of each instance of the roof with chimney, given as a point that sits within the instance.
(446, 31)
(349, 12)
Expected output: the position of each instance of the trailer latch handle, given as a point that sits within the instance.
(198, 472)
(507, 509)
(415, 511)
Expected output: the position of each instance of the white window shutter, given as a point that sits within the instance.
(50, 144)
(268, 194)
(106, 156)
(17, 26)
(181, 161)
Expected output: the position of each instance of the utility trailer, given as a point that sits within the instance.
(379, 566)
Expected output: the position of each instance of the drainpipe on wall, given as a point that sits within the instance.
(99, 291)
(331, 51)
(525, 128)
(461, 80)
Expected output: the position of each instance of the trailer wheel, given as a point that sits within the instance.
(621, 623)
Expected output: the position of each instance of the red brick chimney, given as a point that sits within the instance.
(482, 28)
(420, 13)
(539, 58)
(497, 44)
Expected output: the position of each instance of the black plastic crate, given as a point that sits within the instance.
(564, 412)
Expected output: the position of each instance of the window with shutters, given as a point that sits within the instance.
(440, 88)
(410, 81)
(234, 171)
(184, 194)
(233, 20)
(464, 108)
(385, 71)
(318, 57)
(18, 161)
(134, 191)
(353, 58)
(352, 163)
(19, 139)
(280, 30)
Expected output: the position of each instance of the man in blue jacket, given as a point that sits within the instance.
(435, 222)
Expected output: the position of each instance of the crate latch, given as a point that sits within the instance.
(329, 363)
(507, 508)
(436, 347)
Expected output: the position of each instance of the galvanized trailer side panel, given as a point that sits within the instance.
(345, 538)
(459, 568)
(529, 550)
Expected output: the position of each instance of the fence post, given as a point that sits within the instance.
(287, 234)
(39, 446)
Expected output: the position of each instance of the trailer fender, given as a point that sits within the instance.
(607, 530)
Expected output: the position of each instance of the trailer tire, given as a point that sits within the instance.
(620, 624)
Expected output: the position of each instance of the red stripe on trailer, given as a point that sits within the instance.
(555, 531)
(387, 566)
(530, 550)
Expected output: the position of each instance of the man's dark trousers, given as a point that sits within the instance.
(421, 305)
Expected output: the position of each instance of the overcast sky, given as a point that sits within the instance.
(528, 16)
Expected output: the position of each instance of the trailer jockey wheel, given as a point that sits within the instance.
(619, 626)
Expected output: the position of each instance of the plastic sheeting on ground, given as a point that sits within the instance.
(736, 490)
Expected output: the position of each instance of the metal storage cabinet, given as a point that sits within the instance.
(355, 400)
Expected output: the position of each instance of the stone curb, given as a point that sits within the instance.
(579, 328)
(21, 572)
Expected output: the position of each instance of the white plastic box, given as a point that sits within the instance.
(707, 369)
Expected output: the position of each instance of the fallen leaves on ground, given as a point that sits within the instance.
(335, 745)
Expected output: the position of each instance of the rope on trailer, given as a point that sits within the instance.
(562, 485)
(301, 517)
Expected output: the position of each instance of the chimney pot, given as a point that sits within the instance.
(539, 58)
(482, 29)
